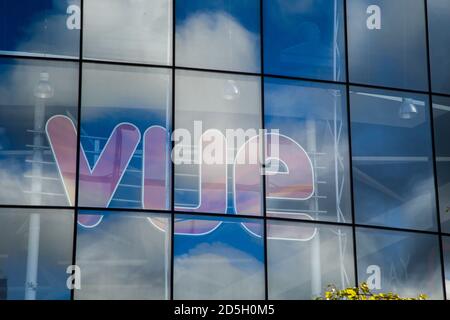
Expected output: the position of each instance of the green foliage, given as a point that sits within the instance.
(362, 293)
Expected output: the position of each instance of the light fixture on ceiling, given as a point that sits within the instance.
(44, 90)
(230, 90)
(408, 109)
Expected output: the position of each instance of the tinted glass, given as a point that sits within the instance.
(32, 93)
(441, 115)
(218, 34)
(304, 258)
(387, 43)
(123, 255)
(133, 31)
(401, 262)
(310, 178)
(218, 258)
(392, 159)
(304, 38)
(227, 111)
(35, 251)
(438, 23)
(133, 106)
(45, 27)
(446, 248)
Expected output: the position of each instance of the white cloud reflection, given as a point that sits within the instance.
(216, 41)
(218, 271)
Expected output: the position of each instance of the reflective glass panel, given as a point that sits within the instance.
(308, 163)
(32, 93)
(446, 248)
(123, 255)
(393, 179)
(217, 120)
(438, 25)
(441, 115)
(35, 251)
(387, 43)
(45, 28)
(305, 38)
(128, 30)
(401, 262)
(218, 34)
(304, 258)
(125, 160)
(218, 258)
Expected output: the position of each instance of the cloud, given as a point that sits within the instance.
(133, 30)
(415, 211)
(11, 183)
(139, 31)
(215, 40)
(123, 258)
(16, 184)
(218, 271)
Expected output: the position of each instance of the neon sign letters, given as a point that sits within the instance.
(98, 184)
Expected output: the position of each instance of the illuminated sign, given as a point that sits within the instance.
(98, 184)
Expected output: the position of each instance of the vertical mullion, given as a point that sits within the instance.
(433, 147)
(349, 127)
(172, 184)
(263, 147)
(75, 204)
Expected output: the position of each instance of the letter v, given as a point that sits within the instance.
(97, 185)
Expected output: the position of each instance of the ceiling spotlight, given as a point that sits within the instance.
(230, 90)
(407, 109)
(44, 90)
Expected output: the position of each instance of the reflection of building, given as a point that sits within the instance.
(85, 148)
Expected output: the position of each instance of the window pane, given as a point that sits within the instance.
(305, 39)
(35, 251)
(133, 31)
(441, 115)
(32, 93)
(123, 255)
(303, 259)
(228, 109)
(438, 23)
(218, 34)
(400, 262)
(125, 110)
(393, 179)
(219, 258)
(45, 27)
(387, 43)
(446, 248)
(312, 122)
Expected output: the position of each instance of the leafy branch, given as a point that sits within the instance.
(362, 293)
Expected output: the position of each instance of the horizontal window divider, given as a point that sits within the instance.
(126, 63)
(305, 79)
(38, 57)
(220, 71)
(386, 228)
(30, 207)
(444, 95)
(223, 215)
(378, 87)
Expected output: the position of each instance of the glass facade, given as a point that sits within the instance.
(223, 149)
